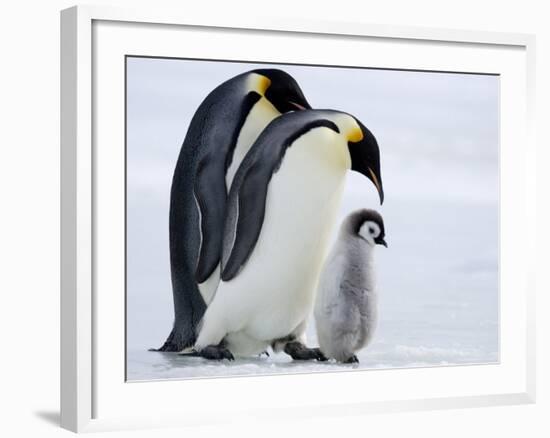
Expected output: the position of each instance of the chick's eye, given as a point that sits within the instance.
(371, 230)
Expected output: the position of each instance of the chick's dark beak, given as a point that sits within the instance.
(381, 241)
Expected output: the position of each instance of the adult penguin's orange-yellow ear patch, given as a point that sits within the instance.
(355, 135)
(263, 84)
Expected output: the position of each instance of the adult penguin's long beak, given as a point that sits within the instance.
(377, 183)
(298, 106)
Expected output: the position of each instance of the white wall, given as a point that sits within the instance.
(29, 184)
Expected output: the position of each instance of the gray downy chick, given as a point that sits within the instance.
(346, 304)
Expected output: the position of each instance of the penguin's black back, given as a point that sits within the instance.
(198, 199)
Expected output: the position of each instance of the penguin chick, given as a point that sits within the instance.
(346, 303)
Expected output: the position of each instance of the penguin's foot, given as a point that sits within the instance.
(175, 342)
(167, 347)
(299, 351)
(216, 352)
(352, 359)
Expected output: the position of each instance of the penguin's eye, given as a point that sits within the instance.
(371, 230)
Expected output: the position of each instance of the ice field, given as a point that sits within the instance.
(437, 280)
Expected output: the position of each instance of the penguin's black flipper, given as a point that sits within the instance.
(248, 194)
(210, 190)
(210, 194)
(244, 222)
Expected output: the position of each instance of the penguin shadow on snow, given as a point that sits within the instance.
(276, 362)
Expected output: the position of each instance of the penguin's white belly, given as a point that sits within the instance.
(208, 287)
(275, 290)
(258, 118)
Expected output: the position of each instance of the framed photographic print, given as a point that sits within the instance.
(251, 207)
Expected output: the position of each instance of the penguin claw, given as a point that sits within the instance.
(352, 359)
(176, 341)
(228, 355)
(320, 355)
(216, 352)
(299, 351)
(189, 351)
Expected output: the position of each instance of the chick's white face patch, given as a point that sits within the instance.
(369, 231)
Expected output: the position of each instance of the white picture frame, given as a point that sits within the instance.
(94, 394)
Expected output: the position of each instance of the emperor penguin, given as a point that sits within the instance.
(346, 302)
(221, 131)
(281, 209)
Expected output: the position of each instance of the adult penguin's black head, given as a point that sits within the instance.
(365, 157)
(283, 91)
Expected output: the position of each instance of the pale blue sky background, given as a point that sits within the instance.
(438, 135)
